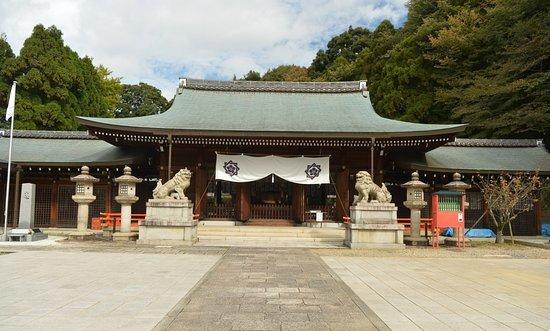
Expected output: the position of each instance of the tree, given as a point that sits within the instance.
(54, 83)
(494, 62)
(140, 100)
(252, 75)
(345, 46)
(288, 73)
(111, 88)
(506, 198)
(5, 54)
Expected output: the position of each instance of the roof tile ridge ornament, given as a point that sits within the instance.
(482, 142)
(363, 87)
(268, 86)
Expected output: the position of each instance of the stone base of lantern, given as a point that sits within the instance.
(453, 242)
(168, 222)
(374, 225)
(418, 241)
(125, 236)
(82, 235)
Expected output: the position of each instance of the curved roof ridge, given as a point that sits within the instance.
(48, 134)
(270, 86)
(479, 142)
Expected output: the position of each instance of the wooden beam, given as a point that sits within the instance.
(201, 182)
(54, 204)
(298, 202)
(342, 194)
(242, 202)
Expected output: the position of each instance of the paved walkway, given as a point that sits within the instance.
(271, 289)
(460, 294)
(55, 290)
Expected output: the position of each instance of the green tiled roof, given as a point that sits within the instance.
(269, 108)
(470, 156)
(62, 148)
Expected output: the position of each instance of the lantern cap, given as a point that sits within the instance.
(127, 177)
(84, 176)
(415, 182)
(457, 184)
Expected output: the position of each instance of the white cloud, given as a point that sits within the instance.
(158, 41)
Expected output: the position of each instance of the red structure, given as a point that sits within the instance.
(448, 212)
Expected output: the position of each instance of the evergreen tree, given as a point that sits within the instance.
(252, 75)
(5, 85)
(140, 100)
(54, 83)
(288, 73)
(111, 88)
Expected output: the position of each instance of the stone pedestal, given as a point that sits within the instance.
(374, 225)
(415, 239)
(82, 232)
(168, 222)
(126, 212)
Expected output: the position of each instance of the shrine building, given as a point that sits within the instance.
(288, 119)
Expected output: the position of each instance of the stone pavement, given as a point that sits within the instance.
(456, 293)
(271, 289)
(76, 290)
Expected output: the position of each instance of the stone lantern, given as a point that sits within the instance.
(84, 195)
(457, 185)
(126, 197)
(415, 202)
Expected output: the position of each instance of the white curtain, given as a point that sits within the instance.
(300, 170)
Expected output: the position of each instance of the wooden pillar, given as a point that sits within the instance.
(201, 182)
(538, 213)
(242, 202)
(16, 195)
(54, 204)
(342, 194)
(163, 169)
(109, 197)
(169, 171)
(298, 202)
(378, 176)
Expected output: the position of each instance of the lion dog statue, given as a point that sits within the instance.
(175, 187)
(368, 190)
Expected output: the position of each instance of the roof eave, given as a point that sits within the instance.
(311, 134)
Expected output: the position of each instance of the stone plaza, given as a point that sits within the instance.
(108, 285)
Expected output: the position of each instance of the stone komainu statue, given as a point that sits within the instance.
(368, 190)
(175, 187)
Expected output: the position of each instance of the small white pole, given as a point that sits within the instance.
(8, 185)
(8, 180)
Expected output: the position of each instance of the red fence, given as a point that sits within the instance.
(271, 211)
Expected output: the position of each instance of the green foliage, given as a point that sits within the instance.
(111, 88)
(343, 49)
(54, 83)
(252, 75)
(495, 62)
(5, 54)
(289, 73)
(482, 62)
(140, 100)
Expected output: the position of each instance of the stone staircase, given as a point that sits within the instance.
(266, 236)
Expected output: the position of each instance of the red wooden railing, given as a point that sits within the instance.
(425, 223)
(105, 220)
(220, 211)
(271, 211)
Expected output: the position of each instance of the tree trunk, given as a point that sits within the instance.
(500, 236)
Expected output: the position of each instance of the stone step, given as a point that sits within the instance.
(282, 239)
(263, 243)
(339, 234)
(271, 232)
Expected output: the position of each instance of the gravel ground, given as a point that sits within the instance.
(480, 250)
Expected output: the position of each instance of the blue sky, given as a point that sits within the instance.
(158, 41)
